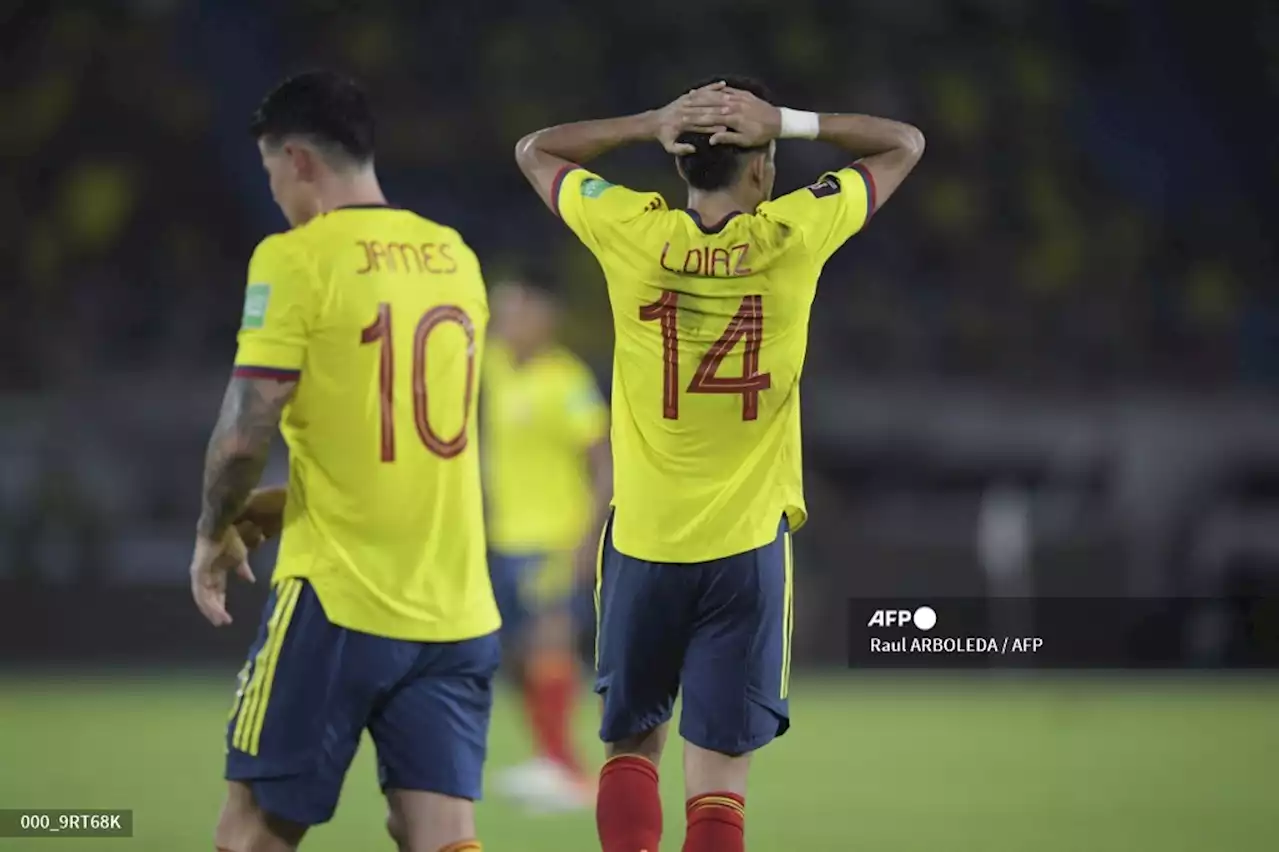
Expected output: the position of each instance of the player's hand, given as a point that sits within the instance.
(210, 565)
(749, 121)
(251, 534)
(263, 515)
(696, 111)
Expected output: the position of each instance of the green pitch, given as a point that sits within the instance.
(910, 764)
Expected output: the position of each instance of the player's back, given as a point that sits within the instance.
(711, 326)
(384, 515)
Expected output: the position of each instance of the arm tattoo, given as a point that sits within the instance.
(238, 449)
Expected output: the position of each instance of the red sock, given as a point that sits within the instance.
(551, 686)
(716, 822)
(628, 810)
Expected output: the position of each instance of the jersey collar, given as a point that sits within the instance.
(711, 229)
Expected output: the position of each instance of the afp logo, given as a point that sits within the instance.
(924, 618)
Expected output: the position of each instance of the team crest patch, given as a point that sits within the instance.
(592, 187)
(829, 185)
(256, 297)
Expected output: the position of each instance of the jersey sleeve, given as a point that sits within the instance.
(586, 415)
(278, 308)
(828, 212)
(594, 209)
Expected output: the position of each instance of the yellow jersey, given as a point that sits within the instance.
(538, 420)
(380, 315)
(711, 324)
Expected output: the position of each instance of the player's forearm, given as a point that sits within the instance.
(238, 449)
(582, 141)
(867, 136)
(229, 479)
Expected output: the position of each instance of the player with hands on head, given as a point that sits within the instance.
(711, 307)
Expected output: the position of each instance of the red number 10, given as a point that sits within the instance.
(380, 329)
(747, 324)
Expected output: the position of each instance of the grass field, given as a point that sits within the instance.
(925, 763)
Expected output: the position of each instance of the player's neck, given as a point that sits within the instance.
(716, 206)
(354, 190)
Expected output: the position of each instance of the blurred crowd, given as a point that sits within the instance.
(1087, 213)
(1095, 213)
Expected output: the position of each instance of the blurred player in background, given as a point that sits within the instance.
(711, 313)
(363, 328)
(548, 481)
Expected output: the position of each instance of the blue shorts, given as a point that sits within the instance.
(719, 630)
(310, 689)
(526, 584)
(507, 572)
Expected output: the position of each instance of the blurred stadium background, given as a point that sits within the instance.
(1049, 368)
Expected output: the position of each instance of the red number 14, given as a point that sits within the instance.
(747, 325)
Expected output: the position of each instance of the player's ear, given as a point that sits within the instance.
(302, 159)
(757, 166)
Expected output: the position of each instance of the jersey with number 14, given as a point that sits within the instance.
(711, 325)
(380, 315)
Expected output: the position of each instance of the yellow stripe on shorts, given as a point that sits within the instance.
(788, 619)
(604, 532)
(242, 683)
(253, 706)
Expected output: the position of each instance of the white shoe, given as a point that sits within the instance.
(543, 786)
(526, 779)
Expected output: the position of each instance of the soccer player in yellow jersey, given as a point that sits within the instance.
(711, 311)
(544, 430)
(361, 338)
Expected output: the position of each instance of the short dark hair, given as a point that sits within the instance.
(717, 166)
(328, 108)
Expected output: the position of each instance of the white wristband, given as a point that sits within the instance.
(798, 124)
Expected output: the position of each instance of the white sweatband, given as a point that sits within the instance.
(798, 124)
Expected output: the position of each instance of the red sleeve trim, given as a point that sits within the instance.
(871, 186)
(274, 373)
(555, 185)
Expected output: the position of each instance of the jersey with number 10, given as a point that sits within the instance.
(380, 315)
(711, 326)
